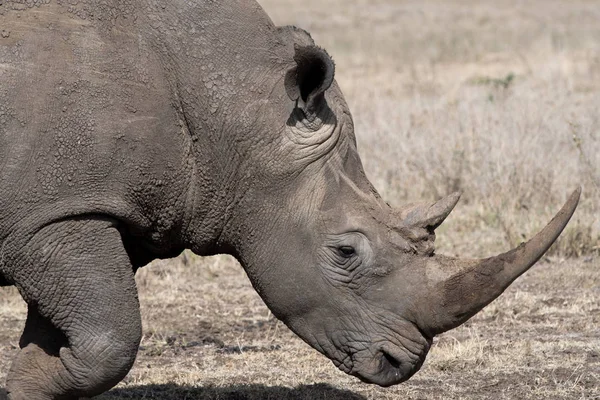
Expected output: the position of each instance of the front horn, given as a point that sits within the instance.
(477, 282)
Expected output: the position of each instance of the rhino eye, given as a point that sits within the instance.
(346, 251)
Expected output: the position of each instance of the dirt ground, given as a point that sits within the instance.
(496, 99)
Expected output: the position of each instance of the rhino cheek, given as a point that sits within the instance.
(314, 330)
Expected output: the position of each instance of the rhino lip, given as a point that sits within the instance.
(393, 368)
(387, 368)
(395, 365)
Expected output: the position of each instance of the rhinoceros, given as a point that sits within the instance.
(133, 129)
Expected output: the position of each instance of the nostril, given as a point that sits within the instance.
(391, 360)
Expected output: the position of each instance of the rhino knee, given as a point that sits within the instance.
(99, 364)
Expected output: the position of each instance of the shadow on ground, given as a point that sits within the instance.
(233, 392)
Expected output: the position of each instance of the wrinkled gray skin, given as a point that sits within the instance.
(132, 130)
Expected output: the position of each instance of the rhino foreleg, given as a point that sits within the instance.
(40, 345)
(83, 326)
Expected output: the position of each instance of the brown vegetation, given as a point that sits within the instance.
(496, 99)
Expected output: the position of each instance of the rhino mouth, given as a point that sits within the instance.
(389, 366)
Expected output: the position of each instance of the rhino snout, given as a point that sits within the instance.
(389, 365)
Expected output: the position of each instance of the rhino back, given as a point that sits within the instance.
(86, 119)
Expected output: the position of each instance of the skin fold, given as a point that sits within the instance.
(132, 130)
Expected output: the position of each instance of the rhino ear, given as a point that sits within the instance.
(310, 78)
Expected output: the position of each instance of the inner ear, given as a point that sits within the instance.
(310, 78)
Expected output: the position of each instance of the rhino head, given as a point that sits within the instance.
(356, 279)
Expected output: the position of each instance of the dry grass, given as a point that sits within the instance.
(497, 99)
